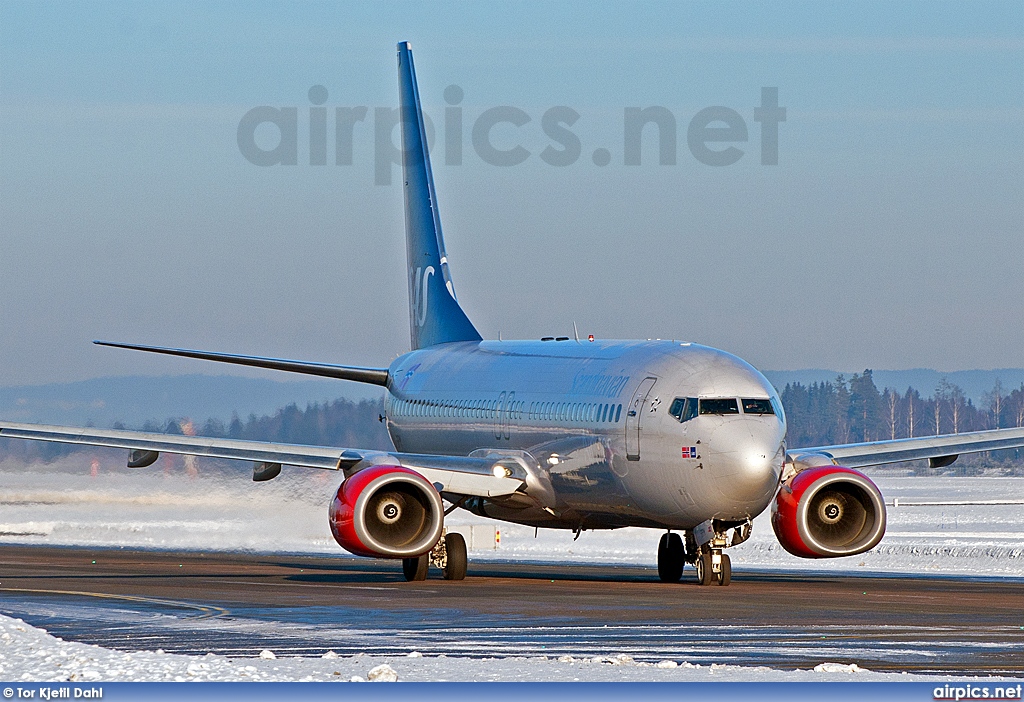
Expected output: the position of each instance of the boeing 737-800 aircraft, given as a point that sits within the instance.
(560, 433)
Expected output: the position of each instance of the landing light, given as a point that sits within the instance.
(501, 472)
(553, 460)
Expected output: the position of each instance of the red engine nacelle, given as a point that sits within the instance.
(828, 511)
(387, 512)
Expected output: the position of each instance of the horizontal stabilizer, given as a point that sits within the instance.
(373, 376)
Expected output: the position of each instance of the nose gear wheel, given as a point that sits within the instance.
(704, 570)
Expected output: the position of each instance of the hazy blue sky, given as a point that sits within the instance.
(889, 235)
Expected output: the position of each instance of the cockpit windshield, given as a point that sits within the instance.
(683, 408)
(686, 408)
(751, 406)
(716, 406)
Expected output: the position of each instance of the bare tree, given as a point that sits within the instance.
(1019, 409)
(957, 405)
(911, 400)
(940, 399)
(995, 403)
(892, 402)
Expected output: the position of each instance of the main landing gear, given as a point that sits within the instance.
(448, 554)
(711, 564)
(671, 558)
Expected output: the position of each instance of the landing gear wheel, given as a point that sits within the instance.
(416, 568)
(455, 545)
(704, 571)
(725, 574)
(671, 556)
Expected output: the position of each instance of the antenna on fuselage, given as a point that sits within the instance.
(575, 331)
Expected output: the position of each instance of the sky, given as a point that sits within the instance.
(887, 235)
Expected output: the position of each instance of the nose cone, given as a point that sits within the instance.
(747, 455)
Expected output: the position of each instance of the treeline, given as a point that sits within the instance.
(837, 412)
(339, 423)
(853, 410)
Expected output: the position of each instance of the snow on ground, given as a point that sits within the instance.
(66, 504)
(29, 654)
(63, 504)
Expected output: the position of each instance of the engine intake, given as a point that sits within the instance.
(386, 512)
(828, 511)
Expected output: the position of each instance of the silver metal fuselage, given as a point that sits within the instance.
(590, 422)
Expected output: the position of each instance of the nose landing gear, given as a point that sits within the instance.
(713, 566)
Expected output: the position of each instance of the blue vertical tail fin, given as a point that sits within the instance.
(435, 316)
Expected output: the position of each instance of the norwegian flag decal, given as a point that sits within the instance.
(689, 452)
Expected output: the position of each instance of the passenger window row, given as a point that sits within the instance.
(575, 412)
(469, 409)
(489, 409)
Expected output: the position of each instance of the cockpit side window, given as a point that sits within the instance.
(777, 404)
(683, 408)
(751, 406)
(716, 406)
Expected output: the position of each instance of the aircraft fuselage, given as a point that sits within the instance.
(605, 425)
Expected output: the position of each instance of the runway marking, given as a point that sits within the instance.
(208, 611)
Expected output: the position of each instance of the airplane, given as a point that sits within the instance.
(560, 432)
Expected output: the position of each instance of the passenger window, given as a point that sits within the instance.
(728, 406)
(618, 412)
(758, 407)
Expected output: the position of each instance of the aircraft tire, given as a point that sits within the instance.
(671, 557)
(704, 572)
(416, 568)
(725, 575)
(455, 545)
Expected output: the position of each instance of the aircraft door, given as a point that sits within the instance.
(634, 414)
(499, 416)
(510, 406)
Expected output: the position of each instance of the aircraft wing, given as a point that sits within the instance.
(941, 450)
(461, 475)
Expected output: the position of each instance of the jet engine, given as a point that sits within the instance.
(828, 511)
(386, 512)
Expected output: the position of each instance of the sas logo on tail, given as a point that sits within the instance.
(690, 452)
(419, 287)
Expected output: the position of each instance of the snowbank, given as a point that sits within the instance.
(28, 654)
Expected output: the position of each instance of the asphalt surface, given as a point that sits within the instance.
(237, 604)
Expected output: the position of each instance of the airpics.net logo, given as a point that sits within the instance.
(269, 136)
(959, 693)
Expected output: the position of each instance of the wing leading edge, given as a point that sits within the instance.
(460, 475)
(941, 449)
